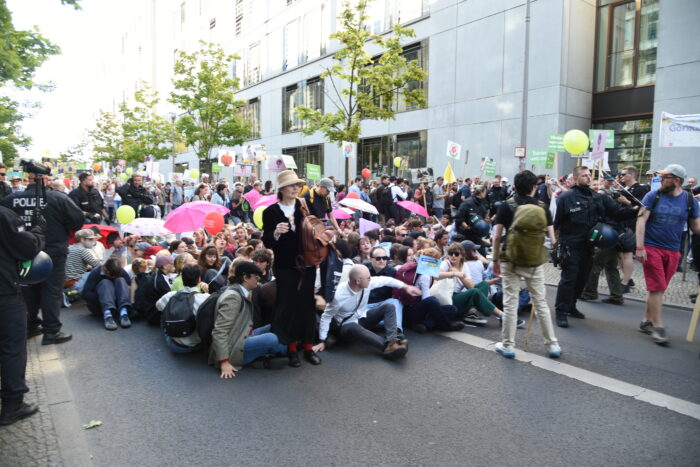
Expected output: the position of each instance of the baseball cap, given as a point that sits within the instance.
(142, 245)
(327, 183)
(85, 233)
(151, 251)
(162, 260)
(469, 245)
(504, 180)
(674, 169)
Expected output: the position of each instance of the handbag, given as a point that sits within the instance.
(442, 289)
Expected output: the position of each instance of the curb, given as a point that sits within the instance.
(680, 306)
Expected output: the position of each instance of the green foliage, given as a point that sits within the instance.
(145, 133)
(11, 136)
(204, 92)
(107, 137)
(364, 86)
(74, 153)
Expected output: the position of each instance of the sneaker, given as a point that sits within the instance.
(588, 298)
(659, 336)
(419, 328)
(646, 327)
(519, 324)
(110, 325)
(625, 288)
(476, 319)
(553, 350)
(631, 282)
(506, 350)
(66, 301)
(124, 321)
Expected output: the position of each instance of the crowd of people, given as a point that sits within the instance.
(228, 294)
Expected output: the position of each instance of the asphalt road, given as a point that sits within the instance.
(447, 403)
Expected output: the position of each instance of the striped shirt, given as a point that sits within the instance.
(78, 259)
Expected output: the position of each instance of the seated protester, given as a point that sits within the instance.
(410, 241)
(177, 247)
(152, 287)
(134, 250)
(106, 291)
(185, 259)
(82, 258)
(404, 255)
(191, 280)
(468, 300)
(364, 246)
(200, 239)
(425, 313)
(373, 236)
(344, 254)
(378, 266)
(214, 272)
(235, 342)
(220, 244)
(349, 313)
(100, 246)
(244, 252)
(263, 260)
(139, 269)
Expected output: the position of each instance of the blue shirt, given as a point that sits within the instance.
(668, 219)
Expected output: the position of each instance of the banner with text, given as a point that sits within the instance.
(679, 131)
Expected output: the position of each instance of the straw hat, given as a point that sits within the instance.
(288, 177)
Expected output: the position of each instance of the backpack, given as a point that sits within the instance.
(314, 246)
(456, 200)
(407, 274)
(384, 196)
(178, 317)
(526, 235)
(206, 315)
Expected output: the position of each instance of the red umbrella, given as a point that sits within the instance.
(413, 207)
(107, 232)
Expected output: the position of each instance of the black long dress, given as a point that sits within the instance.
(295, 316)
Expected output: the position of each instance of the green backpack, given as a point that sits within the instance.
(526, 235)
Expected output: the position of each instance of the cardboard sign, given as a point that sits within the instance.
(555, 142)
(313, 171)
(428, 266)
(550, 160)
(275, 164)
(538, 157)
(349, 149)
(240, 170)
(289, 161)
(454, 150)
(226, 157)
(598, 146)
(216, 168)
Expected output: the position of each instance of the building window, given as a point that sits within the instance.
(308, 93)
(291, 45)
(377, 154)
(632, 144)
(239, 18)
(306, 155)
(212, 23)
(253, 72)
(626, 43)
(251, 114)
(182, 13)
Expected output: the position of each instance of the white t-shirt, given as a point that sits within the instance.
(289, 213)
(476, 269)
(458, 285)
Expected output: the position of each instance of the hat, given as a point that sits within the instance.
(143, 245)
(288, 177)
(469, 245)
(609, 178)
(95, 229)
(162, 260)
(151, 251)
(327, 183)
(674, 169)
(651, 172)
(85, 233)
(247, 267)
(504, 180)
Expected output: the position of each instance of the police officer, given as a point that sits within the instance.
(578, 211)
(16, 245)
(89, 200)
(478, 205)
(62, 217)
(496, 194)
(134, 194)
(5, 189)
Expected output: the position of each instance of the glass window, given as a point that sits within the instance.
(251, 114)
(252, 74)
(648, 42)
(305, 155)
(632, 143)
(377, 154)
(291, 45)
(308, 93)
(622, 45)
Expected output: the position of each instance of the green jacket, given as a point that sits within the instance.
(232, 327)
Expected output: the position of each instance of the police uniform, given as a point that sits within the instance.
(134, 196)
(62, 217)
(469, 207)
(16, 245)
(579, 210)
(90, 202)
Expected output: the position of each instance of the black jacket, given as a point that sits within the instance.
(90, 202)
(287, 248)
(469, 207)
(150, 287)
(381, 293)
(61, 214)
(5, 190)
(579, 209)
(134, 196)
(16, 245)
(496, 194)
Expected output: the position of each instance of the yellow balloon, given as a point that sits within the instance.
(397, 162)
(129, 171)
(126, 214)
(575, 141)
(257, 217)
(194, 173)
(123, 177)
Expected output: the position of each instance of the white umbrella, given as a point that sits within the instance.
(147, 227)
(359, 204)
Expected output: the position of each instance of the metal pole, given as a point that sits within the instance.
(526, 62)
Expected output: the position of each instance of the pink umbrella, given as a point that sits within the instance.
(253, 196)
(190, 216)
(268, 200)
(413, 207)
(341, 214)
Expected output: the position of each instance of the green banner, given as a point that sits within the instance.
(539, 156)
(555, 142)
(490, 168)
(550, 160)
(609, 137)
(313, 172)
(216, 168)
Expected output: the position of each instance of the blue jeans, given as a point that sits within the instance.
(430, 313)
(113, 294)
(398, 306)
(262, 343)
(81, 282)
(438, 212)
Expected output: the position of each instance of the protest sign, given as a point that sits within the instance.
(424, 175)
(349, 149)
(454, 150)
(313, 171)
(679, 130)
(428, 266)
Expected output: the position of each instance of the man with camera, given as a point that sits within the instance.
(89, 200)
(134, 194)
(16, 245)
(62, 217)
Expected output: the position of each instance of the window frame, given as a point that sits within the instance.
(299, 91)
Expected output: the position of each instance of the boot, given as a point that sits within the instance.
(394, 350)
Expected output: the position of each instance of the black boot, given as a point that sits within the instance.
(13, 412)
(311, 357)
(294, 361)
(562, 321)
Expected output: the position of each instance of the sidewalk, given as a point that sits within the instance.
(676, 294)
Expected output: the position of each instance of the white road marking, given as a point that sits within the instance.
(675, 404)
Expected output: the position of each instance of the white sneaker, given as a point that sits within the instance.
(506, 350)
(553, 350)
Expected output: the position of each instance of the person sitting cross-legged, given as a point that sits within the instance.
(348, 310)
(106, 290)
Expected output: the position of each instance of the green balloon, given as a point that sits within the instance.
(125, 214)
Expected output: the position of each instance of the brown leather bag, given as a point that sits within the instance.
(314, 244)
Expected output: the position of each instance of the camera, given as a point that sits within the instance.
(34, 167)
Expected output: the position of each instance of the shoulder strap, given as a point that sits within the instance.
(304, 207)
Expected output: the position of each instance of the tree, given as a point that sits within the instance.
(74, 153)
(145, 133)
(107, 137)
(204, 92)
(11, 136)
(364, 87)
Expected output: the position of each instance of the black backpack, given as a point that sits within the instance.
(178, 317)
(385, 196)
(456, 200)
(206, 315)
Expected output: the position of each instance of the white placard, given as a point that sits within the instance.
(454, 150)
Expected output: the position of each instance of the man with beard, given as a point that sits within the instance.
(659, 231)
(89, 200)
(134, 194)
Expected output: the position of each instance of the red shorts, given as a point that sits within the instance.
(660, 267)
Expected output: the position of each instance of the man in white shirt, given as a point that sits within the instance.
(349, 312)
(397, 194)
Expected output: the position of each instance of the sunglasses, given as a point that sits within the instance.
(455, 254)
(3, 174)
(380, 258)
(668, 177)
